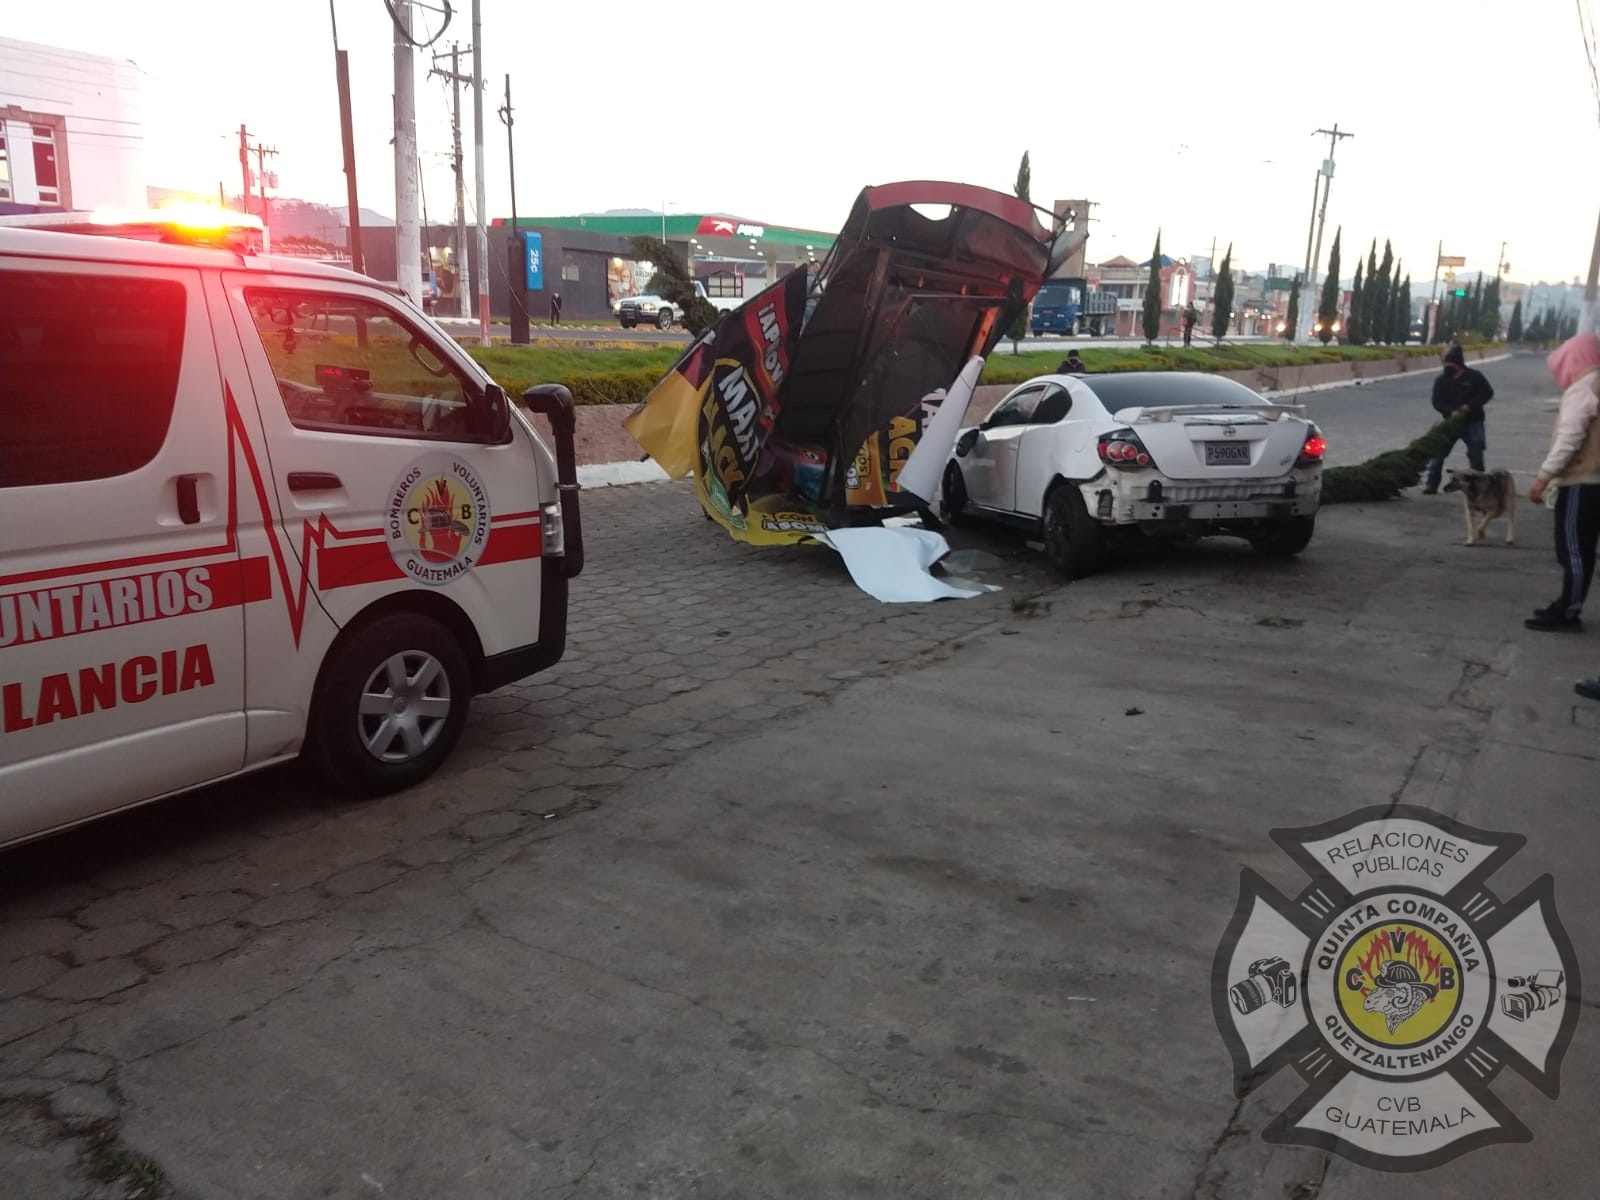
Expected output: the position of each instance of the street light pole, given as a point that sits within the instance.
(477, 151)
(516, 256)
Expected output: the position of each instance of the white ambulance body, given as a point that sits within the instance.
(252, 508)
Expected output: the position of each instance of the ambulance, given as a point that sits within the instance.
(251, 509)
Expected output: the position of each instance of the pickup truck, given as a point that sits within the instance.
(654, 310)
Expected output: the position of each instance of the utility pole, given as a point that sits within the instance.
(1591, 292)
(341, 68)
(244, 170)
(407, 231)
(1311, 229)
(1334, 135)
(516, 258)
(477, 152)
(261, 153)
(456, 78)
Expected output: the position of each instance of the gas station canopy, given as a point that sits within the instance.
(710, 235)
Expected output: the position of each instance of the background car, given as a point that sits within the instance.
(1093, 461)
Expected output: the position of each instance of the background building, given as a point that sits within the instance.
(70, 130)
(588, 258)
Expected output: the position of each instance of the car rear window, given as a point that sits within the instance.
(88, 374)
(1161, 388)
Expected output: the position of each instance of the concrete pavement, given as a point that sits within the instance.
(772, 891)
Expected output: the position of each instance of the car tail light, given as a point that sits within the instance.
(1314, 448)
(1122, 448)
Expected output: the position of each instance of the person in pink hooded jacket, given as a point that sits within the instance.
(1573, 468)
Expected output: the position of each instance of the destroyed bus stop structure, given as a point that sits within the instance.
(837, 374)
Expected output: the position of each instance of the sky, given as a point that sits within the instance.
(1475, 121)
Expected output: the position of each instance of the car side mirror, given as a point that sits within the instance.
(966, 442)
(496, 423)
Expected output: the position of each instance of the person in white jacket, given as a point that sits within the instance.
(1573, 468)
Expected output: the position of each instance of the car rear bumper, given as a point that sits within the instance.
(1145, 511)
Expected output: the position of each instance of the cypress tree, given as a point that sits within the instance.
(1489, 320)
(1023, 189)
(1152, 294)
(1356, 330)
(1369, 299)
(1328, 309)
(1514, 330)
(1222, 297)
(1293, 317)
(1397, 322)
(1383, 296)
(1402, 325)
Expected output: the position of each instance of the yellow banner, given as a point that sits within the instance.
(664, 424)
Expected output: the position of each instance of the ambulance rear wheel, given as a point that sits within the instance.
(390, 705)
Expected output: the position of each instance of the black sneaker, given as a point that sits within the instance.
(1554, 623)
(1589, 689)
(1551, 611)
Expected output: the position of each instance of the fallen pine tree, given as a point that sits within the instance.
(1390, 473)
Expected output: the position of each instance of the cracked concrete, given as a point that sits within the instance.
(768, 890)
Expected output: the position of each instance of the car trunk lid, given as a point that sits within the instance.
(1217, 442)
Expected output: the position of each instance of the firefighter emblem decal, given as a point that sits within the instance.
(1398, 985)
(437, 519)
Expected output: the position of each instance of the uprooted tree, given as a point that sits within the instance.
(673, 282)
(1387, 475)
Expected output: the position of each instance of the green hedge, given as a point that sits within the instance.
(1390, 473)
(626, 375)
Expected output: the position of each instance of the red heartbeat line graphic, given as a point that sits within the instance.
(519, 537)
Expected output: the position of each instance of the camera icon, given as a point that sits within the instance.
(1538, 991)
(1270, 979)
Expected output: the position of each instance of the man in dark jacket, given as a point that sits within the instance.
(1459, 392)
(1072, 365)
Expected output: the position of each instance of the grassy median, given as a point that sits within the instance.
(624, 373)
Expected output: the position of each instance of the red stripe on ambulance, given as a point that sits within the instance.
(42, 614)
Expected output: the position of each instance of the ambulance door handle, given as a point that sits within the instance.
(189, 499)
(314, 481)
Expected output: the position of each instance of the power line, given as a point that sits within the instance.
(400, 26)
(1586, 29)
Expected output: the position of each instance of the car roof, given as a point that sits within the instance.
(88, 247)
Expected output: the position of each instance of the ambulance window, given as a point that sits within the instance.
(89, 366)
(348, 365)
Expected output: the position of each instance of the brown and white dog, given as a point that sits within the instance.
(1486, 495)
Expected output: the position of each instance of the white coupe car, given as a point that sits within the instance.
(1091, 460)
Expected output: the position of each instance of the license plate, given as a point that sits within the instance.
(1227, 454)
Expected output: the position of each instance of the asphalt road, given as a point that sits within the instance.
(1366, 420)
(772, 891)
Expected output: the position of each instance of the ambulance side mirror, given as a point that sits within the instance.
(496, 418)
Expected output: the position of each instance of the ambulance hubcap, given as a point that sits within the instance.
(404, 706)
